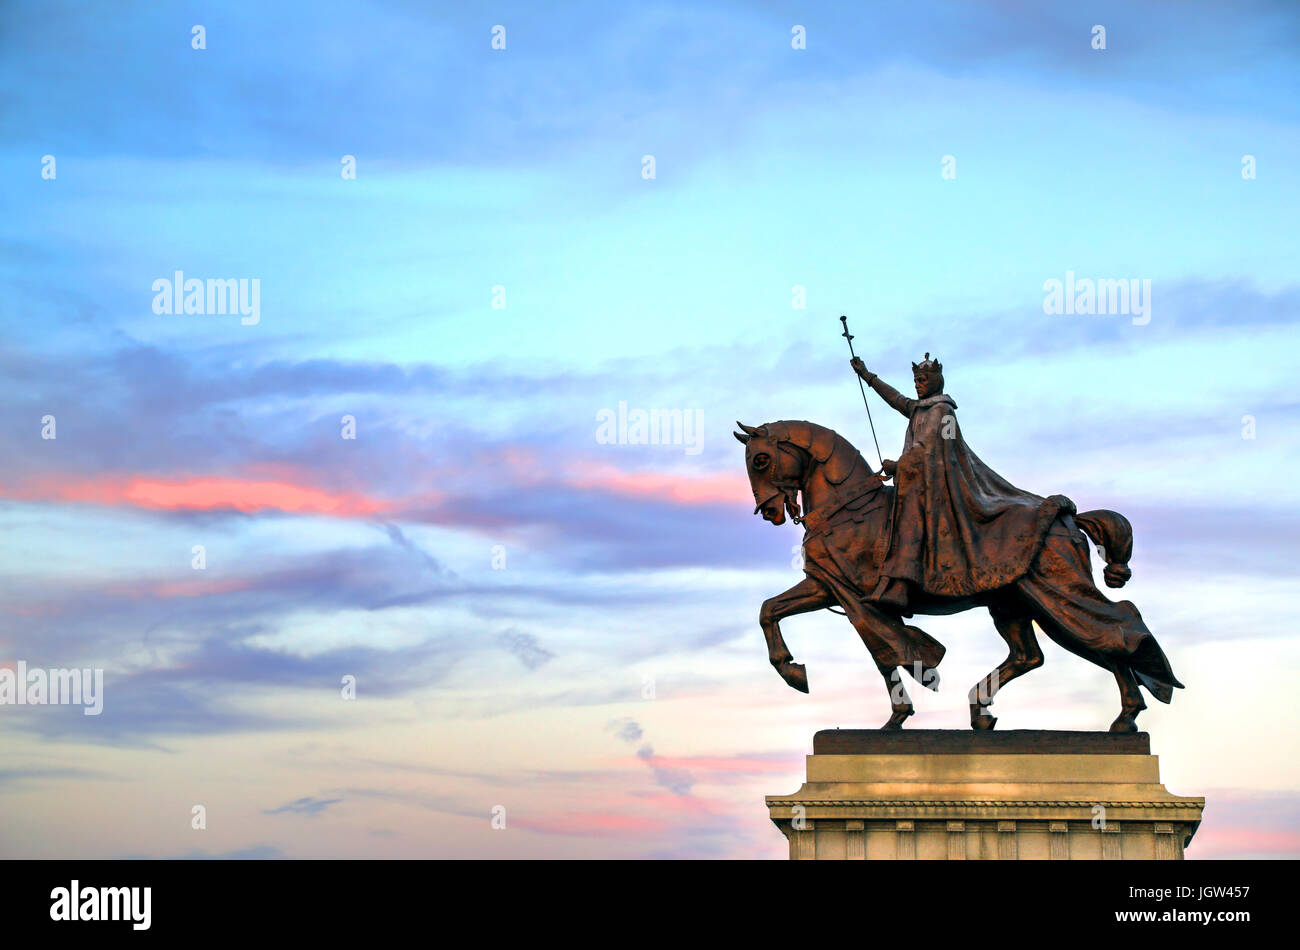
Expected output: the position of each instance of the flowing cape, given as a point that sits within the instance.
(976, 532)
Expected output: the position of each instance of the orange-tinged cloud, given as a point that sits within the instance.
(705, 489)
(289, 490)
(248, 496)
(206, 493)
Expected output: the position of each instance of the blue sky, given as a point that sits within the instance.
(524, 684)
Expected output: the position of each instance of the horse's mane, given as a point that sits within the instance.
(836, 454)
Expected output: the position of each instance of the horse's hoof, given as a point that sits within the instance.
(794, 675)
(1123, 724)
(896, 720)
(983, 721)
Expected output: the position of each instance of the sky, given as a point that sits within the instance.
(391, 472)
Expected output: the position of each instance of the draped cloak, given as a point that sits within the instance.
(958, 527)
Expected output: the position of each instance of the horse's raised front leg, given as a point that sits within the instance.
(1025, 655)
(807, 595)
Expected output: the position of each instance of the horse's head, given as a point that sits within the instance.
(787, 458)
(776, 472)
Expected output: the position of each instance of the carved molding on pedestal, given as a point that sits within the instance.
(1058, 837)
(1056, 796)
(956, 841)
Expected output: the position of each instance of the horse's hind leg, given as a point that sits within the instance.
(899, 701)
(1131, 702)
(808, 594)
(1025, 655)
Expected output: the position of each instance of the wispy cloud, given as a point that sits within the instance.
(308, 805)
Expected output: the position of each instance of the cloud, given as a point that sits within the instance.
(257, 852)
(676, 780)
(1245, 824)
(244, 495)
(527, 648)
(592, 824)
(628, 730)
(720, 767)
(657, 63)
(307, 805)
(24, 776)
(144, 716)
(727, 488)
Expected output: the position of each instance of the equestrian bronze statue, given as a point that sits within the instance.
(952, 535)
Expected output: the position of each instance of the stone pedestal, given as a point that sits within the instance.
(958, 795)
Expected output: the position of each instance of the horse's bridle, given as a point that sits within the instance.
(788, 488)
(785, 487)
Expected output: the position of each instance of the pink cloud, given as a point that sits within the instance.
(1230, 842)
(204, 493)
(202, 587)
(705, 489)
(268, 487)
(248, 496)
(282, 488)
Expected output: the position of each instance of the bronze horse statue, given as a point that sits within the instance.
(846, 513)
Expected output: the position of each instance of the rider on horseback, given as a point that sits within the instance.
(958, 527)
(950, 536)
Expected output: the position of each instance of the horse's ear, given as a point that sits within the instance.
(742, 439)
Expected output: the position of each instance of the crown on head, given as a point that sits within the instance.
(927, 365)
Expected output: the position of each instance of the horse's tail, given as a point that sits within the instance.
(1114, 534)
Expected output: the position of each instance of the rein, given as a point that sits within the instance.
(788, 488)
